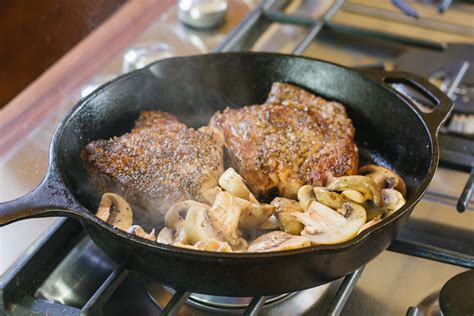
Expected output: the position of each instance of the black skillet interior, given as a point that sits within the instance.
(387, 131)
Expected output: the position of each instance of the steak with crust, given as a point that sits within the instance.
(294, 138)
(159, 162)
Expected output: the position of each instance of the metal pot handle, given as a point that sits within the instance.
(443, 105)
(50, 198)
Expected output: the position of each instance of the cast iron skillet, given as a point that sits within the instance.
(389, 129)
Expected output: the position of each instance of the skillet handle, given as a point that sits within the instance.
(50, 198)
(443, 105)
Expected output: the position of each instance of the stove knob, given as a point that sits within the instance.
(202, 14)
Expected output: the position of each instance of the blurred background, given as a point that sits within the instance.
(34, 34)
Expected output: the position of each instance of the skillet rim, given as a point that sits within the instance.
(314, 249)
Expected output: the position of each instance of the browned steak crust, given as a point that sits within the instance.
(159, 162)
(294, 138)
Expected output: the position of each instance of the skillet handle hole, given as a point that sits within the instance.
(425, 102)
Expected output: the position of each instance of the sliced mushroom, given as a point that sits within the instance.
(137, 230)
(306, 196)
(384, 177)
(323, 225)
(253, 214)
(270, 224)
(278, 241)
(172, 236)
(198, 225)
(354, 195)
(369, 224)
(166, 236)
(210, 195)
(174, 217)
(114, 210)
(213, 245)
(224, 218)
(231, 181)
(392, 199)
(287, 222)
(364, 185)
(328, 198)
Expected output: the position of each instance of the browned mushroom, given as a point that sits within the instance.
(328, 198)
(137, 230)
(323, 225)
(364, 185)
(384, 177)
(306, 196)
(287, 222)
(253, 214)
(278, 241)
(231, 181)
(114, 210)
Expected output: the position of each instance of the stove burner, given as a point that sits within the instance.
(457, 295)
(201, 304)
(161, 295)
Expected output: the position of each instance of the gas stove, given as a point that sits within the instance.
(64, 273)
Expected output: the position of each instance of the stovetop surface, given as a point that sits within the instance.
(389, 284)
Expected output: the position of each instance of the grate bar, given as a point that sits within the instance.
(466, 194)
(432, 253)
(176, 302)
(97, 301)
(252, 21)
(255, 306)
(344, 292)
(317, 26)
(280, 17)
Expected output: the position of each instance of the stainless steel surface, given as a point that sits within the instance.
(389, 285)
(202, 14)
(429, 306)
(78, 275)
(344, 292)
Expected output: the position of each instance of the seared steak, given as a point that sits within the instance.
(159, 162)
(294, 138)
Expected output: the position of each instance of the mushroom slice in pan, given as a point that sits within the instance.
(166, 236)
(231, 181)
(328, 198)
(172, 236)
(354, 195)
(224, 218)
(213, 245)
(253, 214)
(287, 222)
(197, 225)
(392, 199)
(137, 230)
(114, 210)
(323, 225)
(174, 217)
(384, 177)
(364, 185)
(278, 241)
(306, 196)
(270, 224)
(210, 195)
